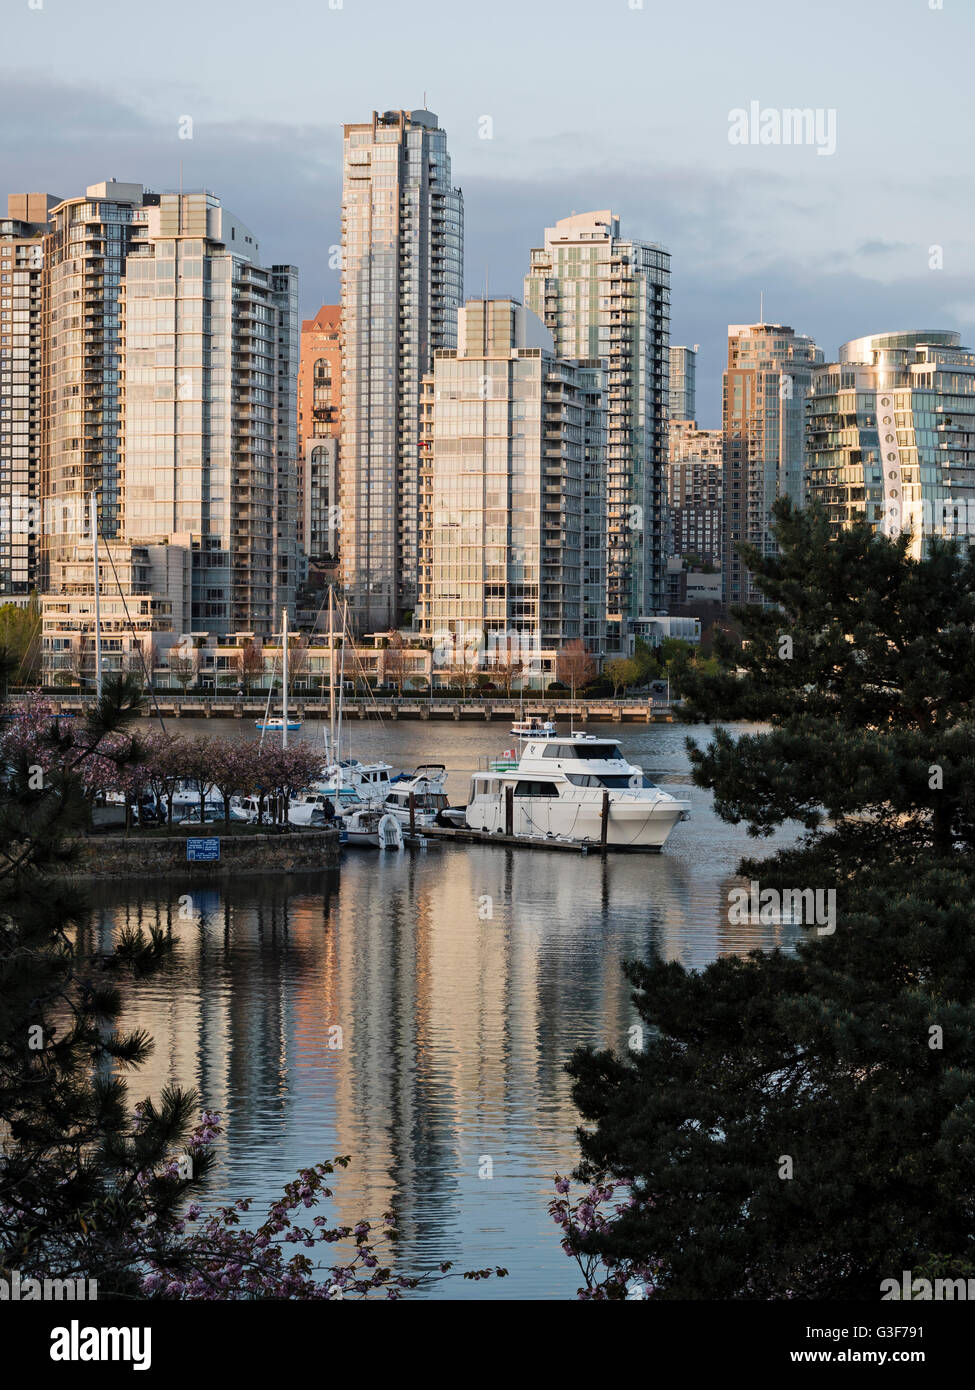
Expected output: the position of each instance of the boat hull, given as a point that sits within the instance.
(362, 838)
(632, 825)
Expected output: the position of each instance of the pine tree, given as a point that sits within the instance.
(802, 1125)
(77, 1170)
(863, 665)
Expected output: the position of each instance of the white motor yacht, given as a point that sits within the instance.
(558, 788)
(427, 786)
(352, 782)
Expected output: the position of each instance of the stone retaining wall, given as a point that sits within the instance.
(151, 856)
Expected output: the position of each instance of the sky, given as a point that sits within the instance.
(621, 104)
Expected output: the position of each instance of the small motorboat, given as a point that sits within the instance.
(533, 728)
(373, 827)
(426, 787)
(275, 724)
(210, 818)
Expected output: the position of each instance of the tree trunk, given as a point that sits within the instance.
(941, 831)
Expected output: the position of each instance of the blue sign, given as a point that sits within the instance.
(202, 851)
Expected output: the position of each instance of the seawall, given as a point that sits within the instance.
(159, 856)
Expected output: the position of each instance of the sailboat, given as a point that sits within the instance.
(348, 782)
(275, 724)
(98, 610)
(280, 723)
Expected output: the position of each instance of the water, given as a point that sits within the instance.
(461, 977)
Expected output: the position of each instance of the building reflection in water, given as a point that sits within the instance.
(461, 979)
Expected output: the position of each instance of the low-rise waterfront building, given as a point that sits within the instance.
(246, 663)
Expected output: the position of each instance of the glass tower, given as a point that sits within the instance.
(683, 383)
(509, 429)
(170, 392)
(695, 492)
(606, 298)
(890, 431)
(21, 347)
(764, 391)
(402, 284)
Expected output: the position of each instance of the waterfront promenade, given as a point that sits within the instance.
(602, 710)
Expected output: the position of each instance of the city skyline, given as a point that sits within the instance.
(833, 242)
(487, 653)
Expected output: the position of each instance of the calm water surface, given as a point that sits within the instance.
(461, 979)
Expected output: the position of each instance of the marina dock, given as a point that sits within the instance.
(483, 837)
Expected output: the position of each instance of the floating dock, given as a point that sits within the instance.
(467, 836)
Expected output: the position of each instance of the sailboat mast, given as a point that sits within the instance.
(284, 659)
(345, 620)
(98, 612)
(331, 679)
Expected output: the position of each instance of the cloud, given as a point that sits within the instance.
(284, 181)
(881, 248)
(816, 249)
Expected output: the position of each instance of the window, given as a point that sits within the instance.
(603, 752)
(536, 789)
(616, 781)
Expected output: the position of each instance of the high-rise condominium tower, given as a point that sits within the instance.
(683, 383)
(504, 513)
(695, 491)
(170, 392)
(21, 265)
(890, 435)
(402, 284)
(764, 391)
(609, 298)
(319, 429)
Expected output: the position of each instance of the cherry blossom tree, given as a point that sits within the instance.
(592, 1213)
